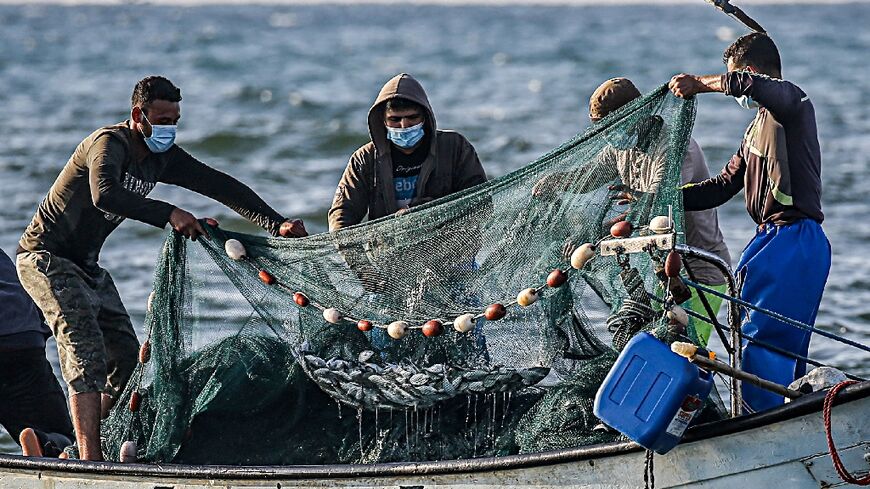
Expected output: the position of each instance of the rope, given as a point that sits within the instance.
(760, 343)
(649, 477)
(779, 317)
(628, 320)
(835, 457)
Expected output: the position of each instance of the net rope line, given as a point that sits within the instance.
(778, 316)
(271, 280)
(568, 271)
(758, 342)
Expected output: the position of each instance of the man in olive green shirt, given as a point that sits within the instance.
(105, 181)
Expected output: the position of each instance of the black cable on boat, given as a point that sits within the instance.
(763, 344)
(779, 317)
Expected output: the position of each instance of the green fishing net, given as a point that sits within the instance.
(238, 372)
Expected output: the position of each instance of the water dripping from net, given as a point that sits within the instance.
(359, 414)
(376, 420)
(407, 435)
(507, 402)
(474, 442)
(492, 420)
(467, 409)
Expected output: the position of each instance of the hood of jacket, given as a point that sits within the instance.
(400, 86)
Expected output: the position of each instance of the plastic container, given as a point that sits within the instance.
(652, 394)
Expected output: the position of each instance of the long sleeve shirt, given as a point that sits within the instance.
(108, 178)
(779, 162)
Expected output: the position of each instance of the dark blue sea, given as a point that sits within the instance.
(278, 96)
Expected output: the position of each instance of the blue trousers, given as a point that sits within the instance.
(784, 269)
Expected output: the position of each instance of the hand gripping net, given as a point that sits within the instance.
(241, 373)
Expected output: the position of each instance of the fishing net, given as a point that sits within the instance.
(242, 370)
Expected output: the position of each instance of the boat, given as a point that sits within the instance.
(785, 446)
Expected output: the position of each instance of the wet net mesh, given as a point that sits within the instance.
(239, 373)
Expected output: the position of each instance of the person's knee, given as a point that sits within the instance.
(122, 351)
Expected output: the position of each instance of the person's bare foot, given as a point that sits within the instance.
(30, 445)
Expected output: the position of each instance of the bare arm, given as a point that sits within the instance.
(687, 86)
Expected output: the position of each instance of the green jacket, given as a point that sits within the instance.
(366, 187)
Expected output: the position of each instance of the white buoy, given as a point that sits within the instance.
(582, 255)
(397, 329)
(235, 249)
(527, 297)
(128, 452)
(332, 315)
(150, 300)
(678, 315)
(660, 225)
(464, 323)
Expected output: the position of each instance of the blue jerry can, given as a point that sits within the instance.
(652, 394)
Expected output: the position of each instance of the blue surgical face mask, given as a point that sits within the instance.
(746, 102)
(162, 136)
(405, 138)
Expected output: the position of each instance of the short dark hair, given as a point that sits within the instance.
(754, 49)
(153, 88)
(399, 103)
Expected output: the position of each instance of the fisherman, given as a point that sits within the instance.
(407, 162)
(701, 227)
(785, 266)
(32, 404)
(105, 181)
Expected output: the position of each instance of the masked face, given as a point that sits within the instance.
(159, 137)
(746, 102)
(405, 138)
(162, 136)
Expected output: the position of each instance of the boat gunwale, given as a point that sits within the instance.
(806, 405)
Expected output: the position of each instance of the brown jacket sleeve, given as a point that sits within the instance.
(467, 170)
(106, 158)
(186, 171)
(351, 201)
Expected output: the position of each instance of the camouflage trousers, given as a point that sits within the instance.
(96, 343)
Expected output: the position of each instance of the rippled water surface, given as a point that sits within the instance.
(278, 97)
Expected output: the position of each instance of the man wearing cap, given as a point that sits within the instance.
(628, 165)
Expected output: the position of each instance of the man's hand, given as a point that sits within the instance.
(403, 210)
(185, 223)
(686, 86)
(622, 194)
(292, 229)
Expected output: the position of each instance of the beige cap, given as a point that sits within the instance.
(611, 95)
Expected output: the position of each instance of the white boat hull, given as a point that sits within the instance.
(784, 448)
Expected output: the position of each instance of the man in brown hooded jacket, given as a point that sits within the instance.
(408, 161)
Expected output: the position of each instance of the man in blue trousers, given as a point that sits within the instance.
(785, 266)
